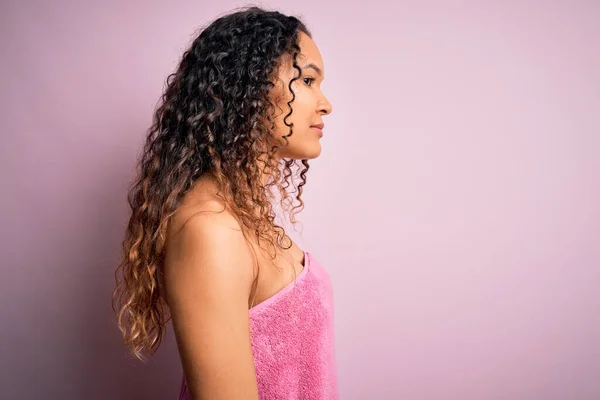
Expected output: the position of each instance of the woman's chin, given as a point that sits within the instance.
(313, 152)
(308, 152)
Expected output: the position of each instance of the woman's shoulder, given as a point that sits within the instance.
(209, 215)
(207, 245)
(204, 224)
(202, 206)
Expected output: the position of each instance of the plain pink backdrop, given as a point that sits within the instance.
(455, 204)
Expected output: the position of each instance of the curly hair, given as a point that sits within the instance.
(216, 116)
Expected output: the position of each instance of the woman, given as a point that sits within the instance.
(251, 311)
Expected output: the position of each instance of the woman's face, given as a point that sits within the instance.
(309, 105)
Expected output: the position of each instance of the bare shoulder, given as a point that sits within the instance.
(205, 241)
(209, 240)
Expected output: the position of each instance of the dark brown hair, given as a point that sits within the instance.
(215, 115)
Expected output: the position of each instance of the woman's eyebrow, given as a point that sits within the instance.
(313, 66)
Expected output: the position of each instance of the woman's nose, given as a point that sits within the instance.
(325, 106)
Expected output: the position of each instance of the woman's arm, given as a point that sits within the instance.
(208, 278)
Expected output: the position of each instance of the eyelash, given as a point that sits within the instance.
(309, 78)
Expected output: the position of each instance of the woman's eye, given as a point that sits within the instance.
(308, 80)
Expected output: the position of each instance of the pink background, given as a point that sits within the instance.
(455, 205)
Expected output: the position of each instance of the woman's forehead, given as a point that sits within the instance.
(309, 52)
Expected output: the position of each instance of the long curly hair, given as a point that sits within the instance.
(215, 116)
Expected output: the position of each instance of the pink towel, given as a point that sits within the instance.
(293, 341)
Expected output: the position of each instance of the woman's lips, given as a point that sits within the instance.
(319, 130)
